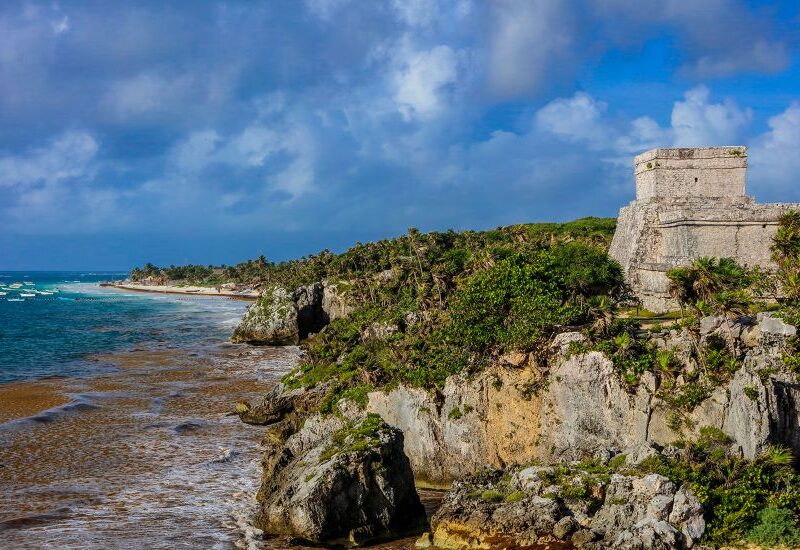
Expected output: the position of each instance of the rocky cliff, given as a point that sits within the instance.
(578, 407)
(567, 404)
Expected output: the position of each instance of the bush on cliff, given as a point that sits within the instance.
(447, 310)
(732, 490)
(432, 259)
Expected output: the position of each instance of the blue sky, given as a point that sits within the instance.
(212, 132)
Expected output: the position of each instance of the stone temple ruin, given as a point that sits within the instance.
(690, 203)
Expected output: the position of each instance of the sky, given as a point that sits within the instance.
(213, 132)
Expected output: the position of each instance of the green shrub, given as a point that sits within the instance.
(491, 495)
(775, 527)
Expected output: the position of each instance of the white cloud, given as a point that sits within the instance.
(69, 156)
(773, 155)
(697, 122)
(196, 151)
(530, 40)
(61, 26)
(285, 155)
(421, 81)
(147, 92)
(578, 118)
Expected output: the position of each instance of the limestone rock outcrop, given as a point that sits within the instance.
(280, 317)
(339, 481)
(271, 320)
(519, 508)
(579, 408)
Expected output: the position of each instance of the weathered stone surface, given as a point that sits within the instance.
(332, 484)
(469, 519)
(280, 403)
(581, 409)
(280, 318)
(271, 320)
(636, 513)
(690, 203)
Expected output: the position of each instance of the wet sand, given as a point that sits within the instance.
(23, 399)
(147, 455)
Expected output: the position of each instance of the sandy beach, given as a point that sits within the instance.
(188, 290)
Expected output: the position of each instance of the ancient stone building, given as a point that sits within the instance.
(690, 203)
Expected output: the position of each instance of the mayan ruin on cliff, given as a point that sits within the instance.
(690, 203)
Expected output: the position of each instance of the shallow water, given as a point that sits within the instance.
(55, 334)
(129, 440)
(148, 456)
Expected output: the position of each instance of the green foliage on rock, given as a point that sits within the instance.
(455, 301)
(430, 259)
(732, 490)
(714, 285)
(777, 527)
(355, 437)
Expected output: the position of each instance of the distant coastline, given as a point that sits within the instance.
(187, 290)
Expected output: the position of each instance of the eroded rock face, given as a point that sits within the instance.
(271, 320)
(337, 480)
(281, 404)
(280, 317)
(633, 512)
(578, 407)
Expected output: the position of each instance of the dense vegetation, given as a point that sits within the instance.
(446, 303)
(734, 492)
(448, 252)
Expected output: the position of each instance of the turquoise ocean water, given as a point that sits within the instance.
(56, 323)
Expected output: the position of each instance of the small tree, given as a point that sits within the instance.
(786, 254)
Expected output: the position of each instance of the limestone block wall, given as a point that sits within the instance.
(705, 172)
(690, 203)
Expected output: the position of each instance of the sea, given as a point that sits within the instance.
(52, 322)
(117, 427)
(116, 422)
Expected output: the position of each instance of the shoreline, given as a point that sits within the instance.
(250, 295)
(21, 399)
(150, 446)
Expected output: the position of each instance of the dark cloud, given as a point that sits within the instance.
(212, 131)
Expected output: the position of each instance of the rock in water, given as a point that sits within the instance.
(338, 481)
(271, 320)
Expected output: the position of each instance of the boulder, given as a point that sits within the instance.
(271, 320)
(280, 317)
(475, 514)
(507, 507)
(340, 481)
(280, 403)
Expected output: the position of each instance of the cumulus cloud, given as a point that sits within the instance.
(578, 118)
(422, 80)
(69, 156)
(696, 121)
(773, 155)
